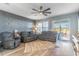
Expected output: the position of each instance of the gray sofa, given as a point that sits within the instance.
(8, 41)
(48, 36)
(27, 36)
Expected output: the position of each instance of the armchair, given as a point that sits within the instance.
(8, 41)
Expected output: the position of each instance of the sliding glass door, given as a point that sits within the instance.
(62, 26)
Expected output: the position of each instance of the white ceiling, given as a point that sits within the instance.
(25, 9)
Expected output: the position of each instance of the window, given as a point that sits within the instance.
(42, 26)
(39, 27)
(45, 26)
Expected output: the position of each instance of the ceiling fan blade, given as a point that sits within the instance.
(48, 12)
(45, 14)
(41, 7)
(35, 10)
(47, 9)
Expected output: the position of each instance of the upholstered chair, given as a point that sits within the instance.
(8, 40)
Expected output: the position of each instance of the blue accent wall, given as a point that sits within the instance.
(10, 22)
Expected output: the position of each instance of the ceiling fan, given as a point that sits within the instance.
(42, 11)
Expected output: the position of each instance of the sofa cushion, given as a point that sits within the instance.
(17, 42)
(7, 36)
(48, 35)
(28, 36)
(8, 41)
(24, 33)
(8, 44)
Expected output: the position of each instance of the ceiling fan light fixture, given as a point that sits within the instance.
(41, 11)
